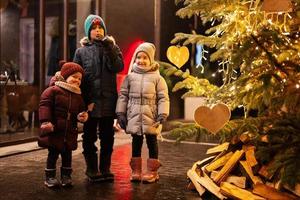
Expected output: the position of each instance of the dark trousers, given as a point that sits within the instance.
(102, 128)
(66, 158)
(137, 143)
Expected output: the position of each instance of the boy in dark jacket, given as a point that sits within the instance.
(101, 60)
(61, 106)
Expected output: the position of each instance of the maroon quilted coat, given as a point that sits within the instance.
(60, 107)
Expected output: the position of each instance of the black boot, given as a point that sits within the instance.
(92, 167)
(105, 162)
(66, 180)
(51, 180)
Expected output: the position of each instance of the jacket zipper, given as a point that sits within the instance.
(141, 93)
(68, 117)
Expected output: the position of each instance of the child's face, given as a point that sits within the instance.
(97, 32)
(142, 59)
(75, 79)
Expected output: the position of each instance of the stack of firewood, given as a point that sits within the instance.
(234, 172)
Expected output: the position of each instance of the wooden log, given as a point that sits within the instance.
(264, 138)
(296, 190)
(250, 155)
(239, 181)
(226, 169)
(275, 184)
(264, 171)
(245, 137)
(234, 140)
(219, 162)
(235, 192)
(271, 193)
(248, 171)
(191, 186)
(203, 162)
(206, 182)
(193, 176)
(218, 149)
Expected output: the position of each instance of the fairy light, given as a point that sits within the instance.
(297, 86)
(232, 88)
(202, 68)
(248, 86)
(213, 22)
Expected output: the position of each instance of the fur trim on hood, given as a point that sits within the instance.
(85, 40)
(146, 47)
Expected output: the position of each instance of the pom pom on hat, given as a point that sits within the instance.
(70, 68)
(89, 22)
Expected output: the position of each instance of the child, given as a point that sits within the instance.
(142, 106)
(61, 106)
(101, 60)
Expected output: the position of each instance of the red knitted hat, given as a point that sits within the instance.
(70, 68)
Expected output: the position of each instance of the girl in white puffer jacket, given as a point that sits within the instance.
(142, 106)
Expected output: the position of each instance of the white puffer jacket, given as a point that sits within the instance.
(143, 96)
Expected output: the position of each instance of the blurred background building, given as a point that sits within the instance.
(36, 34)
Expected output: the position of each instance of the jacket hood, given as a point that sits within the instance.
(146, 47)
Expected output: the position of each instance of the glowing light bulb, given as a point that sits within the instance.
(232, 88)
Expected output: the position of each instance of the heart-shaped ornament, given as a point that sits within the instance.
(213, 119)
(178, 55)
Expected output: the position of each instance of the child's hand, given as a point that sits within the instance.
(91, 107)
(83, 117)
(122, 120)
(47, 127)
(161, 118)
(109, 42)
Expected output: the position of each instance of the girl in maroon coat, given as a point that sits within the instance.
(61, 106)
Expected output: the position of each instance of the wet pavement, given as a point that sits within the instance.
(22, 176)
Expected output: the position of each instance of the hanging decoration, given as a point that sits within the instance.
(212, 118)
(279, 12)
(199, 56)
(271, 6)
(178, 55)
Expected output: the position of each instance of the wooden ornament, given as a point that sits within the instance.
(178, 55)
(272, 6)
(213, 119)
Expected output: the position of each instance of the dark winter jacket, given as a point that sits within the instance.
(100, 64)
(60, 107)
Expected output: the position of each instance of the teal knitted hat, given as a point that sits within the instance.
(89, 22)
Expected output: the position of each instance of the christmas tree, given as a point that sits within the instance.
(258, 51)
